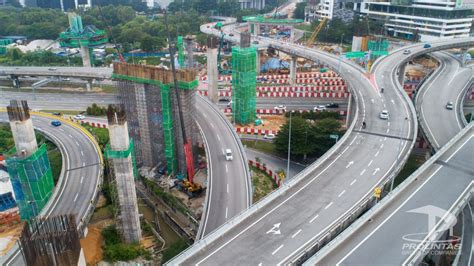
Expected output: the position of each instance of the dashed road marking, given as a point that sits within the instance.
(363, 171)
(314, 218)
(226, 212)
(82, 179)
(295, 234)
(226, 169)
(276, 250)
(227, 187)
(329, 205)
(371, 161)
(75, 198)
(377, 153)
(342, 193)
(353, 181)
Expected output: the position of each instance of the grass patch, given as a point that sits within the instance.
(56, 162)
(263, 146)
(411, 165)
(101, 134)
(171, 200)
(304, 27)
(263, 184)
(115, 250)
(103, 213)
(174, 249)
(108, 88)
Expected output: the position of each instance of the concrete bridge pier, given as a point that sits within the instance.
(212, 71)
(293, 69)
(86, 56)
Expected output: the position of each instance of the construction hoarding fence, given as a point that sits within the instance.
(244, 84)
(32, 181)
(152, 115)
(50, 241)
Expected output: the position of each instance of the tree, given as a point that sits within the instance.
(299, 10)
(300, 130)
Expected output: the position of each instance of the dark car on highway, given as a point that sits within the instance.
(332, 105)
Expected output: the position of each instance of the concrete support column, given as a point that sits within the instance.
(212, 72)
(22, 128)
(89, 85)
(129, 217)
(292, 34)
(256, 29)
(463, 56)
(258, 62)
(293, 64)
(86, 56)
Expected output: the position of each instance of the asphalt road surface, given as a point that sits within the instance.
(81, 169)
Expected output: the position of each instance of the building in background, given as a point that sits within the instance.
(255, 4)
(422, 20)
(318, 9)
(64, 5)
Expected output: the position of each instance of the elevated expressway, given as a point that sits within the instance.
(229, 189)
(384, 234)
(81, 174)
(335, 189)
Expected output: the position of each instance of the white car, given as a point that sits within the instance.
(384, 115)
(79, 117)
(449, 106)
(320, 108)
(228, 155)
(229, 104)
(269, 136)
(406, 51)
(280, 108)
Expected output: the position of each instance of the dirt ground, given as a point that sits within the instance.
(9, 237)
(195, 205)
(92, 243)
(270, 122)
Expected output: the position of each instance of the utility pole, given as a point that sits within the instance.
(289, 151)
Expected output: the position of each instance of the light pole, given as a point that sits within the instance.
(289, 150)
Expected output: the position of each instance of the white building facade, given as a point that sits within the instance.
(422, 20)
(255, 4)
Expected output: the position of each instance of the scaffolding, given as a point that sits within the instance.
(244, 83)
(180, 46)
(111, 154)
(162, 116)
(32, 181)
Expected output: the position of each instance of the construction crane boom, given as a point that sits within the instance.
(315, 33)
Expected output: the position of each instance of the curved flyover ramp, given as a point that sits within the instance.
(81, 175)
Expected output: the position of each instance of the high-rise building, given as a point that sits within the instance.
(318, 9)
(422, 20)
(255, 4)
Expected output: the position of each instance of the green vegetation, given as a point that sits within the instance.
(299, 10)
(15, 57)
(169, 199)
(96, 110)
(54, 155)
(262, 182)
(64, 112)
(115, 250)
(309, 137)
(411, 165)
(263, 146)
(101, 134)
(174, 250)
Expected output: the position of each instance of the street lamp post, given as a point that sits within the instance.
(289, 150)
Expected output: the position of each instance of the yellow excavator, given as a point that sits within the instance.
(315, 33)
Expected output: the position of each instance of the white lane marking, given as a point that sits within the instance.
(388, 130)
(363, 171)
(385, 138)
(226, 169)
(273, 209)
(212, 125)
(260, 264)
(218, 137)
(77, 143)
(375, 171)
(82, 153)
(381, 146)
(353, 181)
(295, 234)
(377, 153)
(75, 198)
(314, 218)
(83, 164)
(388, 123)
(329, 205)
(70, 135)
(276, 250)
(371, 161)
(349, 164)
(393, 102)
(226, 212)
(227, 187)
(60, 129)
(82, 179)
(342, 193)
(204, 114)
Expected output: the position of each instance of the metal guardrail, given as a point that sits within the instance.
(460, 111)
(412, 179)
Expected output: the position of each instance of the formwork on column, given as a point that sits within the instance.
(168, 130)
(180, 45)
(32, 181)
(244, 83)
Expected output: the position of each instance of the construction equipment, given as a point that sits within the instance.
(219, 57)
(315, 33)
(187, 143)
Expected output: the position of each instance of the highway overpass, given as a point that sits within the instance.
(80, 179)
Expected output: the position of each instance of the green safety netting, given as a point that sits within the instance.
(244, 83)
(111, 154)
